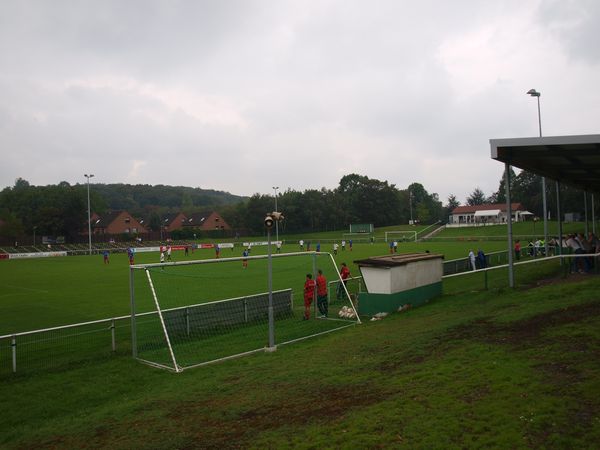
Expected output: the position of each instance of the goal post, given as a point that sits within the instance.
(361, 228)
(191, 313)
(402, 236)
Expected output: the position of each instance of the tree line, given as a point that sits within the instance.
(357, 199)
(61, 210)
(526, 188)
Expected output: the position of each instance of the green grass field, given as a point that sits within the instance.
(499, 368)
(47, 292)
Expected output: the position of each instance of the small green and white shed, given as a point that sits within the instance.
(393, 281)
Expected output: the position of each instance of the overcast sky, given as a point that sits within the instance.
(244, 95)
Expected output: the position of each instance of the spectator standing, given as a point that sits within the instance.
(481, 259)
(472, 260)
(576, 248)
(518, 249)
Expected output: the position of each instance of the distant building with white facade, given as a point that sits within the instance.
(488, 214)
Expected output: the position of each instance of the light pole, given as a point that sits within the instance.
(410, 206)
(276, 222)
(89, 214)
(275, 217)
(537, 94)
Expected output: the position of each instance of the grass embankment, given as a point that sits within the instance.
(501, 369)
(530, 230)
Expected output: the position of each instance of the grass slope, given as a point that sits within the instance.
(502, 368)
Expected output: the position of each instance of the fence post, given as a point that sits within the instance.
(13, 344)
(112, 333)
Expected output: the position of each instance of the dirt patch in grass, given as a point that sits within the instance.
(520, 333)
(324, 405)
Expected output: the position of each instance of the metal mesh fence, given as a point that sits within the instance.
(63, 346)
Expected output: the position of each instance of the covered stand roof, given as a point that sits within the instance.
(572, 160)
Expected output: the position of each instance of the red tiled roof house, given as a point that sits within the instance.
(117, 222)
(205, 221)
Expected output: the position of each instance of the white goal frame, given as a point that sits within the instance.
(159, 311)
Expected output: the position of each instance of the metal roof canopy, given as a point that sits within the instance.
(572, 160)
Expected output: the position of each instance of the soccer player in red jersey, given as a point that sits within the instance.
(344, 275)
(322, 294)
(309, 294)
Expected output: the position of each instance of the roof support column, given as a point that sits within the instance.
(511, 276)
(585, 207)
(558, 214)
(545, 207)
(593, 215)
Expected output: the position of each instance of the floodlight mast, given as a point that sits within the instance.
(276, 222)
(91, 175)
(537, 94)
(271, 218)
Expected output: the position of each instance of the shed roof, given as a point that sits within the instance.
(572, 160)
(396, 260)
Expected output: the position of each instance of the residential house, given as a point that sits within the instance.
(117, 222)
(205, 221)
(171, 222)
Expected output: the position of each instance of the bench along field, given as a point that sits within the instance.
(476, 367)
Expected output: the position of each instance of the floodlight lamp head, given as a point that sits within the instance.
(271, 218)
(277, 216)
(533, 93)
(269, 222)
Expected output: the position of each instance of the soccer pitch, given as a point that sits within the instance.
(48, 292)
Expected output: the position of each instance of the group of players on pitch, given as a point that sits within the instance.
(320, 284)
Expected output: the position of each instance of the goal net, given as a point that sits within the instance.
(361, 228)
(401, 236)
(196, 312)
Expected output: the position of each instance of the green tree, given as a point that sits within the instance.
(477, 197)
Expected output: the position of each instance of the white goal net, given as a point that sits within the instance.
(401, 236)
(196, 312)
